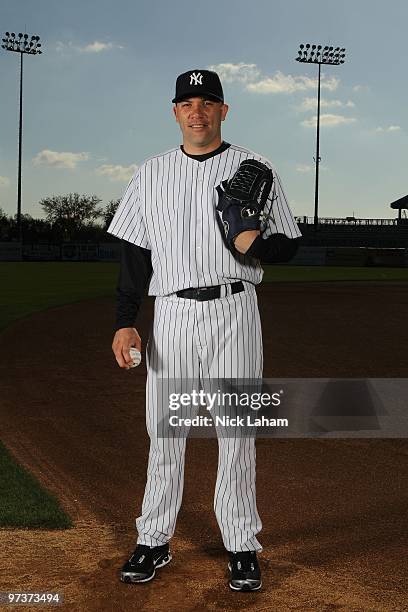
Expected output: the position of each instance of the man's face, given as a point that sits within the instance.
(200, 120)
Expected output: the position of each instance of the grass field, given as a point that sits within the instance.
(32, 286)
(333, 273)
(24, 503)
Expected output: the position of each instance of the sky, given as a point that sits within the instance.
(97, 101)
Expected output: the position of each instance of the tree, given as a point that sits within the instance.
(109, 211)
(35, 230)
(70, 213)
(6, 223)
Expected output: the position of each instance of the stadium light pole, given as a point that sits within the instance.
(21, 45)
(317, 54)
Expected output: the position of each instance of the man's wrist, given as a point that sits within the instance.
(243, 241)
(278, 248)
(124, 326)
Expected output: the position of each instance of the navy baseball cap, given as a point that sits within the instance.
(198, 83)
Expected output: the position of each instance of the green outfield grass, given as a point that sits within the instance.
(333, 273)
(24, 502)
(31, 286)
(28, 287)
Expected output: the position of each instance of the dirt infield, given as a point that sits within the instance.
(334, 511)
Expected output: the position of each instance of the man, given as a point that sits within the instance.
(206, 319)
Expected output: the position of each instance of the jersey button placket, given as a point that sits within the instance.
(199, 212)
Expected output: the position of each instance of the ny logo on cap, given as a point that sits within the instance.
(196, 79)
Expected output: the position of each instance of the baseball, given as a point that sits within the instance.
(136, 356)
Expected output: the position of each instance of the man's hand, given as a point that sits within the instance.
(125, 338)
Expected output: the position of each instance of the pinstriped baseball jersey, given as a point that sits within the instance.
(169, 207)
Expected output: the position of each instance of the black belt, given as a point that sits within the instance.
(208, 293)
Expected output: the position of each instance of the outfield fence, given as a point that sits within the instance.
(110, 252)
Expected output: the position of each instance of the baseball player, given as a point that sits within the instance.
(182, 238)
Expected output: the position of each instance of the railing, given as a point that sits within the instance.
(351, 221)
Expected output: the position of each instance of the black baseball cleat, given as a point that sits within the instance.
(245, 574)
(142, 565)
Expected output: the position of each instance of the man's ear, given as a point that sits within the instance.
(175, 112)
(224, 111)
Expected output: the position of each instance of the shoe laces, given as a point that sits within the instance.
(245, 561)
(139, 554)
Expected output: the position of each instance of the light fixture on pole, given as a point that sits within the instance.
(21, 44)
(317, 54)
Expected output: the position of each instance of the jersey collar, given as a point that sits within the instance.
(223, 146)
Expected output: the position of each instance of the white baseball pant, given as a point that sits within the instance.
(195, 340)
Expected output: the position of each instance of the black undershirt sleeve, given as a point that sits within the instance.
(276, 248)
(134, 275)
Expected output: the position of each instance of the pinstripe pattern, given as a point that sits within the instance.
(202, 341)
(169, 207)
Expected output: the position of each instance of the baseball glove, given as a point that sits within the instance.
(242, 198)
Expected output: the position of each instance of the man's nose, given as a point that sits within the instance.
(197, 107)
